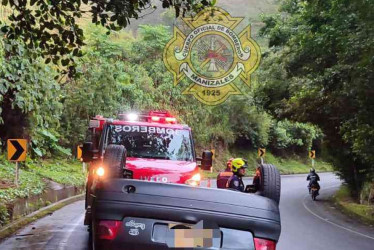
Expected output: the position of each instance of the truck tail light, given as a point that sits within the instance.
(262, 244)
(108, 229)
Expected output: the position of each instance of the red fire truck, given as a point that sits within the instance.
(150, 146)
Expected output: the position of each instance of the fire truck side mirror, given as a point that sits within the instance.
(87, 152)
(206, 160)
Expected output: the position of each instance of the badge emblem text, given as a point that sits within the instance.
(212, 55)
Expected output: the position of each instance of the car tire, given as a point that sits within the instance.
(115, 161)
(270, 183)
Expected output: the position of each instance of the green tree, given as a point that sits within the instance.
(96, 92)
(29, 100)
(52, 25)
(324, 52)
(295, 137)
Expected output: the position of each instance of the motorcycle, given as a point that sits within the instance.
(314, 191)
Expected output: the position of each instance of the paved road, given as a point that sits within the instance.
(305, 224)
(316, 225)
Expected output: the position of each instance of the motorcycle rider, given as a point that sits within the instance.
(313, 179)
(235, 182)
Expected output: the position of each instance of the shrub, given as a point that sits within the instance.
(4, 216)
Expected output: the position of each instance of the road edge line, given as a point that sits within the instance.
(12, 227)
(332, 223)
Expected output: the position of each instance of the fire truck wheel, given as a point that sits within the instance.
(115, 160)
(270, 183)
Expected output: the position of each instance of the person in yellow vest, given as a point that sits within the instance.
(229, 165)
(225, 175)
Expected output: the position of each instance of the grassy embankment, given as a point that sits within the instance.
(34, 177)
(363, 212)
(290, 165)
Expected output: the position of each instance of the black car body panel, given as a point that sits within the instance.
(159, 204)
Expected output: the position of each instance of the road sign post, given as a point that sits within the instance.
(17, 175)
(17, 149)
(261, 154)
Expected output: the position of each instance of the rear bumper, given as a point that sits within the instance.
(164, 203)
(259, 226)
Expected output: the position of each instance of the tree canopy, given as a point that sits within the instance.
(56, 114)
(52, 27)
(321, 70)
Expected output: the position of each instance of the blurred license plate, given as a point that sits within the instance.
(185, 236)
(192, 238)
(223, 238)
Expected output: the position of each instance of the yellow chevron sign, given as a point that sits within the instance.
(312, 154)
(261, 152)
(17, 149)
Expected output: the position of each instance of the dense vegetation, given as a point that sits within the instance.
(139, 81)
(316, 80)
(320, 69)
(52, 27)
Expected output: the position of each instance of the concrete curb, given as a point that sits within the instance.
(14, 226)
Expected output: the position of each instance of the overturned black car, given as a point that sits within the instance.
(133, 214)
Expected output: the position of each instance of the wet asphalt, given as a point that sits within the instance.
(306, 224)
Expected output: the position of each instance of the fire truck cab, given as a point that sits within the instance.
(150, 146)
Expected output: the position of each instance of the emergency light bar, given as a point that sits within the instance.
(170, 119)
(155, 118)
(152, 116)
(132, 117)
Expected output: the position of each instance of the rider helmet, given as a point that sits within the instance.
(312, 170)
